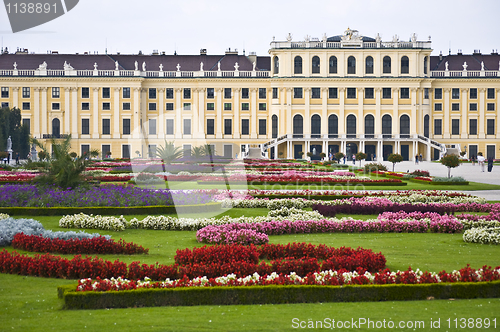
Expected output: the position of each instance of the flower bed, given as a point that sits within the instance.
(108, 196)
(323, 278)
(214, 265)
(379, 205)
(399, 222)
(484, 235)
(95, 245)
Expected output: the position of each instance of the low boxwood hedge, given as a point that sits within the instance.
(110, 210)
(274, 294)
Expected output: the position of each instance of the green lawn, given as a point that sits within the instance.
(31, 304)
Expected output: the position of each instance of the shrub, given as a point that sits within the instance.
(372, 167)
(450, 161)
(395, 158)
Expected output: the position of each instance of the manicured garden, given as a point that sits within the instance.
(267, 255)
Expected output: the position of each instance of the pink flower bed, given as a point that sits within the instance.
(388, 222)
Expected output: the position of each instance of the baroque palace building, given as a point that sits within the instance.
(345, 93)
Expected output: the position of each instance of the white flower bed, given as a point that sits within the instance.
(96, 222)
(4, 216)
(484, 235)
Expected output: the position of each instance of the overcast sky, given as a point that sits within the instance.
(188, 25)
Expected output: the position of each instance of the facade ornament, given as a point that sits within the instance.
(116, 65)
(482, 65)
(178, 67)
(378, 39)
(236, 66)
(395, 39)
(218, 66)
(325, 38)
(15, 65)
(351, 36)
(144, 66)
(254, 64)
(414, 38)
(465, 65)
(67, 66)
(201, 66)
(136, 64)
(95, 66)
(307, 38)
(446, 66)
(289, 37)
(43, 66)
(274, 38)
(161, 66)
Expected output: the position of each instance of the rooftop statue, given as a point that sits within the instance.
(43, 66)
(144, 66)
(136, 64)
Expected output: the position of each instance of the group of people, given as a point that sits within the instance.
(7, 160)
(418, 158)
(480, 159)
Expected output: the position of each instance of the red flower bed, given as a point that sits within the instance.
(211, 262)
(96, 245)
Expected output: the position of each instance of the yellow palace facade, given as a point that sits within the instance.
(345, 93)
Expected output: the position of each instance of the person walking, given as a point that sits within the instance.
(416, 159)
(17, 158)
(480, 161)
(353, 159)
(472, 159)
(490, 164)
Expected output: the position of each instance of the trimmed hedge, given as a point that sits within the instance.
(110, 210)
(273, 294)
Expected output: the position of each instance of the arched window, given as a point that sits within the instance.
(351, 126)
(369, 126)
(369, 65)
(351, 65)
(425, 65)
(405, 65)
(332, 65)
(315, 65)
(274, 126)
(387, 126)
(56, 128)
(297, 65)
(386, 65)
(298, 126)
(426, 126)
(276, 65)
(315, 126)
(333, 126)
(404, 126)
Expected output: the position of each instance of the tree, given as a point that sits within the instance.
(94, 153)
(395, 158)
(360, 156)
(63, 170)
(208, 150)
(169, 152)
(450, 161)
(197, 152)
(10, 125)
(338, 156)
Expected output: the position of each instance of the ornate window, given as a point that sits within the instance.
(333, 126)
(332, 65)
(387, 126)
(56, 128)
(426, 126)
(274, 126)
(315, 126)
(297, 65)
(386, 65)
(276, 65)
(351, 125)
(369, 126)
(351, 65)
(405, 65)
(369, 65)
(298, 126)
(315, 65)
(404, 126)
